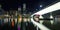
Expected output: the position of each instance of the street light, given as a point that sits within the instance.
(51, 17)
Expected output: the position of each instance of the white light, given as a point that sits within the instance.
(19, 9)
(52, 8)
(41, 21)
(40, 5)
(6, 15)
(41, 17)
(51, 21)
(25, 20)
(5, 20)
(24, 5)
(15, 20)
(51, 16)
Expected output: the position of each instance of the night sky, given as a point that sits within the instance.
(32, 5)
(9, 4)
